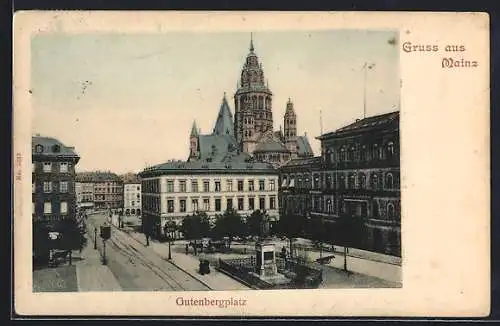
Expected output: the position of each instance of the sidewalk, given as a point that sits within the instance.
(190, 264)
(369, 255)
(91, 274)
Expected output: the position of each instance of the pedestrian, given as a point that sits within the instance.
(187, 249)
(147, 240)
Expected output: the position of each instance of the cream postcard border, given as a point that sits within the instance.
(444, 167)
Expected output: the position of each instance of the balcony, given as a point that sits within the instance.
(368, 164)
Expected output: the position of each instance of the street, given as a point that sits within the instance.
(138, 268)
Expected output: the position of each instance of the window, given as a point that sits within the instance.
(64, 207)
(63, 167)
(352, 181)
(47, 166)
(240, 185)
(251, 204)
(262, 203)
(374, 182)
(375, 151)
(271, 185)
(217, 205)
(343, 155)
(206, 204)
(240, 204)
(182, 203)
(217, 186)
(206, 186)
(250, 185)
(47, 208)
(33, 187)
(342, 182)
(229, 185)
(32, 208)
(170, 185)
(362, 181)
(170, 206)
(390, 211)
(362, 153)
(317, 185)
(390, 149)
(272, 202)
(63, 186)
(261, 185)
(47, 186)
(32, 167)
(138, 188)
(376, 212)
(389, 181)
(328, 181)
(182, 186)
(329, 206)
(229, 203)
(194, 186)
(352, 154)
(194, 204)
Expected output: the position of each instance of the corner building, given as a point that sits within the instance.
(173, 190)
(53, 181)
(358, 175)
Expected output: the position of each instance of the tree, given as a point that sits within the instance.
(195, 226)
(41, 243)
(229, 224)
(72, 232)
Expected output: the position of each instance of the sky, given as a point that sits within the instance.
(126, 101)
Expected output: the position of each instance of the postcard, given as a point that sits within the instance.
(251, 163)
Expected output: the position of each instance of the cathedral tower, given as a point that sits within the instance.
(252, 103)
(193, 142)
(290, 132)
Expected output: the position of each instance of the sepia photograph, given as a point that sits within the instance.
(284, 174)
(250, 164)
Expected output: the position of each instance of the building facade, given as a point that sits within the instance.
(105, 189)
(131, 194)
(53, 180)
(173, 190)
(84, 194)
(358, 175)
(251, 131)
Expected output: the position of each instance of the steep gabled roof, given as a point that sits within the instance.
(224, 124)
(305, 148)
(48, 146)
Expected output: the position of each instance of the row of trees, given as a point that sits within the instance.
(229, 224)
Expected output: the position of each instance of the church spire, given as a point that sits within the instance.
(194, 129)
(251, 42)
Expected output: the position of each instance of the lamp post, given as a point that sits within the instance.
(365, 68)
(95, 237)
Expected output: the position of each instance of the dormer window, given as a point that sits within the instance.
(39, 148)
(56, 148)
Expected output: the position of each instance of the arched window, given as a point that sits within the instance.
(389, 181)
(374, 181)
(341, 181)
(249, 133)
(390, 149)
(352, 154)
(362, 181)
(352, 181)
(328, 181)
(332, 155)
(362, 153)
(390, 211)
(375, 154)
(376, 211)
(343, 154)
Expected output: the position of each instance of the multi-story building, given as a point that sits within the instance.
(53, 180)
(84, 194)
(131, 194)
(358, 176)
(173, 190)
(107, 189)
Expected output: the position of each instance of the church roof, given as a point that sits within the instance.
(271, 145)
(305, 148)
(216, 146)
(224, 124)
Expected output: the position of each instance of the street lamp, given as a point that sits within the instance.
(365, 68)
